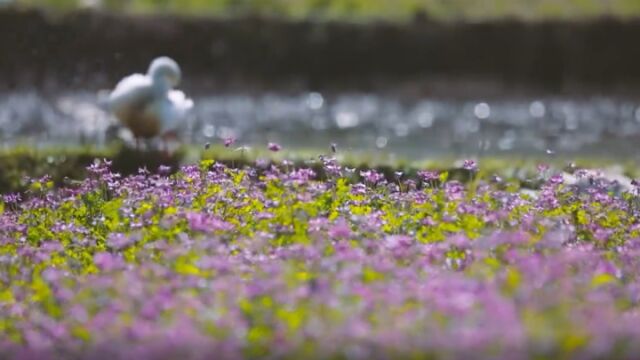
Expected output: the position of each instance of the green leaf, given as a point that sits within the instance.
(602, 279)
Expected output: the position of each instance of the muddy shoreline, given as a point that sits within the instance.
(86, 50)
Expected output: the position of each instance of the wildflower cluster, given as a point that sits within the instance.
(214, 262)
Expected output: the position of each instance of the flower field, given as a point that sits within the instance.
(277, 262)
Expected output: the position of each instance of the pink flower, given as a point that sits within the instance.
(229, 141)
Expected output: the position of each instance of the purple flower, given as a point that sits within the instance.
(120, 241)
(428, 176)
(229, 141)
(317, 224)
(206, 223)
(398, 241)
(454, 190)
(262, 163)
(340, 229)
(106, 261)
(99, 167)
(274, 147)
(556, 179)
(542, 168)
(164, 170)
(372, 177)
(12, 198)
(302, 176)
(331, 166)
(214, 262)
(470, 165)
(359, 189)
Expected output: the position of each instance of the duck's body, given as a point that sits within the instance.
(147, 104)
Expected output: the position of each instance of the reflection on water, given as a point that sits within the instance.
(416, 128)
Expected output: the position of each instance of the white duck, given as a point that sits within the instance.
(147, 104)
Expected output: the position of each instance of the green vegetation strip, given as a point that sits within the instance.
(65, 164)
(357, 10)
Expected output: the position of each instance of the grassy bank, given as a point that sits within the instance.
(69, 164)
(395, 10)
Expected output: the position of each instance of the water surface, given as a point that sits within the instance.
(415, 128)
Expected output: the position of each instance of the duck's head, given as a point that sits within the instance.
(165, 72)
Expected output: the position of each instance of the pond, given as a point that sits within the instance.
(409, 128)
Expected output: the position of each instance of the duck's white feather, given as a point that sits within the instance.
(170, 110)
(147, 108)
(130, 90)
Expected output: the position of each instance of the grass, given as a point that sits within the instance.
(363, 10)
(69, 163)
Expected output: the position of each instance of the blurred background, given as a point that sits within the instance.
(358, 10)
(411, 78)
